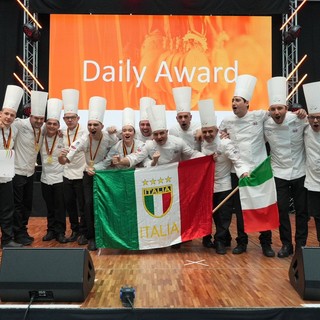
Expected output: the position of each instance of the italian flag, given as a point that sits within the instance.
(259, 199)
(153, 207)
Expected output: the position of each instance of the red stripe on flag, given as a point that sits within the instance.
(166, 201)
(263, 219)
(195, 189)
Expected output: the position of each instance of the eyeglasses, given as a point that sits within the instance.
(312, 118)
(70, 118)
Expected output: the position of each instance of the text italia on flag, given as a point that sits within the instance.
(154, 207)
(259, 199)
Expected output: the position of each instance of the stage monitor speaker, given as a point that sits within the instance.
(304, 272)
(46, 274)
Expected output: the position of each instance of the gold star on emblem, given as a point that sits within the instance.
(160, 180)
(145, 182)
(153, 181)
(168, 179)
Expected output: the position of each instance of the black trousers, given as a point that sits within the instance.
(6, 211)
(242, 238)
(23, 195)
(74, 201)
(56, 216)
(88, 205)
(314, 209)
(295, 189)
(222, 217)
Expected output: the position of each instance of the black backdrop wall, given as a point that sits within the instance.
(11, 17)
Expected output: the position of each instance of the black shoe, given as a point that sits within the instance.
(207, 243)
(268, 251)
(92, 245)
(49, 236)
(61, 238)
(27, 235)
(23, 240)
(74, 236)
(11, 244)
(82, 240)
(176, 246)
(240, 248)
(220, 248)
(285, 251)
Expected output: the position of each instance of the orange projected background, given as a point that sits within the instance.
(125, 57)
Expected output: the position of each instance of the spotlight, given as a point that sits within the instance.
(32, 33)
(127, 295)
(295, 107)
(27, 110)
(292, 34)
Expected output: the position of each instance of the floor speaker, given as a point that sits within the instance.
(304, 272)
(46, 274)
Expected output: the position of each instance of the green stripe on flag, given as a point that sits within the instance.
(259, 175)
(115, 209)
(149, 203)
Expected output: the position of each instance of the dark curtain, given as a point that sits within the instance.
(309, 44)
(188, 7)
(11, 17)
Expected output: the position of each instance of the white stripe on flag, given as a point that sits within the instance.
(158, 205)
(258, 196)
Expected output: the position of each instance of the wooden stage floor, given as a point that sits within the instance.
(190, 277)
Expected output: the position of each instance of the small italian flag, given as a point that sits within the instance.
(259, 199)
(154, 207)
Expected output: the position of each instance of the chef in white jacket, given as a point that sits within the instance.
(312, 146)
(284, 132)
(226, 156)
(185, 128)
(127, 145)
(245, 129)
(144, 133)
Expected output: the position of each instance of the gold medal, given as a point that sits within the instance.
(36, 147)
(49, 159)
(91, 163)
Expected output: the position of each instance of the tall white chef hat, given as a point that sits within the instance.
(207, 113)
(277, 91)
(157, 117)
(12, 97)
(70, 99)
(54, 108)
(182, 98)
(38, 103)
(245, 85)
(97, 108)
(145, 102)
(128, 117)
(312, 96)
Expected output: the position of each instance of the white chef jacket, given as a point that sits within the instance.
(25, 151)
(187, 135)
(117, 149)
(52, 173)
(287, 146)
(247, 134)
(227, 156)
(312, 146)
(171, 151)
(74, 170)
(141, 137)
(6, 132)
(83, 145)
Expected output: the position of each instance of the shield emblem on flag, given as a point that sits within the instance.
(157, 201)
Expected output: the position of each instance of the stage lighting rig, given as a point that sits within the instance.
(292, 34)
(33, 34)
